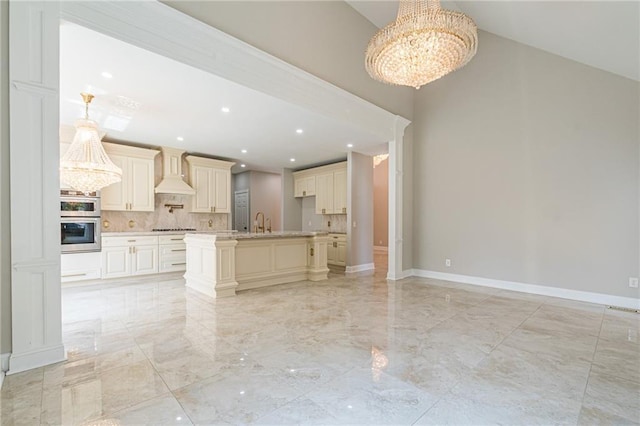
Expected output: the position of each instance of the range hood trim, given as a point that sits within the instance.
(172, 182)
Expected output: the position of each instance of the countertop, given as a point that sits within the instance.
(260, 235)
(219, 233)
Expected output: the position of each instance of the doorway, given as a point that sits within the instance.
(241, 209)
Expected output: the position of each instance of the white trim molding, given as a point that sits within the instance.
(359, 268)
(543, 290)
(4, 366)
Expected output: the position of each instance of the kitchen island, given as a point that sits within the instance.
(221, 263)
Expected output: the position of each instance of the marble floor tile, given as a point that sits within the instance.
(355, 349)
(367, 396)
(160, 411)
(92, 396)
(612, 397)
(618, 359)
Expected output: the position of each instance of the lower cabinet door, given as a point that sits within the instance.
(341, 253)
(145, 260)
(116, 262)
(331, 253)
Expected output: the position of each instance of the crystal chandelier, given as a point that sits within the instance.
(85, 166)
(424, 43)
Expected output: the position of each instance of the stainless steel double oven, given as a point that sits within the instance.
(79, 222)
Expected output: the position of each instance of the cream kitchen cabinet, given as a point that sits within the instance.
(340, 191)
(304, 186)
(79, 266)
(331, 190)
(324, 193)
(337, 250)
(211, 180)
(135, 191)
(173, 253)
(128, 256)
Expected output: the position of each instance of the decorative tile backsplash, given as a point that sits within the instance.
(161, 218)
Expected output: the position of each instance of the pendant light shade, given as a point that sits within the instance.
(86, 166)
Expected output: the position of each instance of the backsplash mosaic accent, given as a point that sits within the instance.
(161, 218)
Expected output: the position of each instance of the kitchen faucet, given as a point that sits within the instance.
(269, 225)
(259, 228)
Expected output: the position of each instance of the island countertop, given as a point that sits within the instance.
(259, 235)
(219, 234)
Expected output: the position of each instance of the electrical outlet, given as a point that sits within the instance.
(633, 282)
(447, 262)
(309, 223)
(354, 223)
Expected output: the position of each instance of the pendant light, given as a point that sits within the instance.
(424, 43)
(86, 166)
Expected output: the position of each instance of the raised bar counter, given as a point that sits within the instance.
(221, 263)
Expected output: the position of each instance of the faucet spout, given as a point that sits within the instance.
(259, 226)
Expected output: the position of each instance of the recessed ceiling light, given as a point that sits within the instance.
(292, 159)
(225, 109)
(107, 74)
(180, 138)
(299, 131)
(243, 165)
(349, 145)
(244, 151)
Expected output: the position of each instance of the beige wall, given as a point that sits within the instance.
(291, 206)
(5, 225)
(324, 38)
(526, 169)
(381, 204)
(265, 194)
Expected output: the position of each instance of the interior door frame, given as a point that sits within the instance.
(159, 28)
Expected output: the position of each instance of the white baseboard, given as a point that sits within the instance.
(4, 361)
(28, 360)
(563, 293)
(381, 248)
(404, 274)
(359, 268)
(4, 366)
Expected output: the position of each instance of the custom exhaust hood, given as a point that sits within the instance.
(172, 182)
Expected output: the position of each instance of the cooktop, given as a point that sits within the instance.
(172, 229)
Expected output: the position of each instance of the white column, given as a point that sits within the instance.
(34, 157)
(396, 170)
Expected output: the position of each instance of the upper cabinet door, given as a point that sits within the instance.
(340, 192)
(141, 184)
(202, 182)
(115, 196)
(222, 194)
(135, 191)
(324, 193)
(212, 181)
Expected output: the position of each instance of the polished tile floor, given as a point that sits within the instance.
(351, 350)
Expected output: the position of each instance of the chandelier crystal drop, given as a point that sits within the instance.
(424, 43)
(86, 166)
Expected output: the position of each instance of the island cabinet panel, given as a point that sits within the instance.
(254, 258)
(290, 256)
